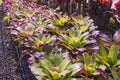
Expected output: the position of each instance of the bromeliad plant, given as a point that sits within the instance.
(22, 32)
(109, 57)
(60, 24)
(75, 40)
(26, 20)
(91, 65)
(61, 21)
(35, 27)
(54, 67)
(38, 42)
(81, 35)
(84, 24)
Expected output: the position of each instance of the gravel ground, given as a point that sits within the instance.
(8, 56)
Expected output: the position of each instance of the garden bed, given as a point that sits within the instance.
(55, 46)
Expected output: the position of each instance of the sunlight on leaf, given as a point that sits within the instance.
(103, 51)
(1, 2)
(113, 53)
(84, 28)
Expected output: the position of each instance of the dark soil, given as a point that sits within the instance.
(8, 56)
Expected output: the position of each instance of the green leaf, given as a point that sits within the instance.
(101, 59)
(30, 14)
(50, 39)
(43, 39)
(114, 74)
(103, 52)
(56, 75)
(118, 63)
(64, 64)
(55, 59)
(1, 2)
(69, 47)
(110, 78)
(72, 33)
(5, 18)
(46, 64)
(118, 73)
(113, 54)
(87, 59)
(69, 78)
(84, 28)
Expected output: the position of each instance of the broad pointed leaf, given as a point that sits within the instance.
(63, 65)
(113, 54)
(114, 74)
(103, 52)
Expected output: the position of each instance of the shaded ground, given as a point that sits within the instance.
(8, 56)
(26, 73)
